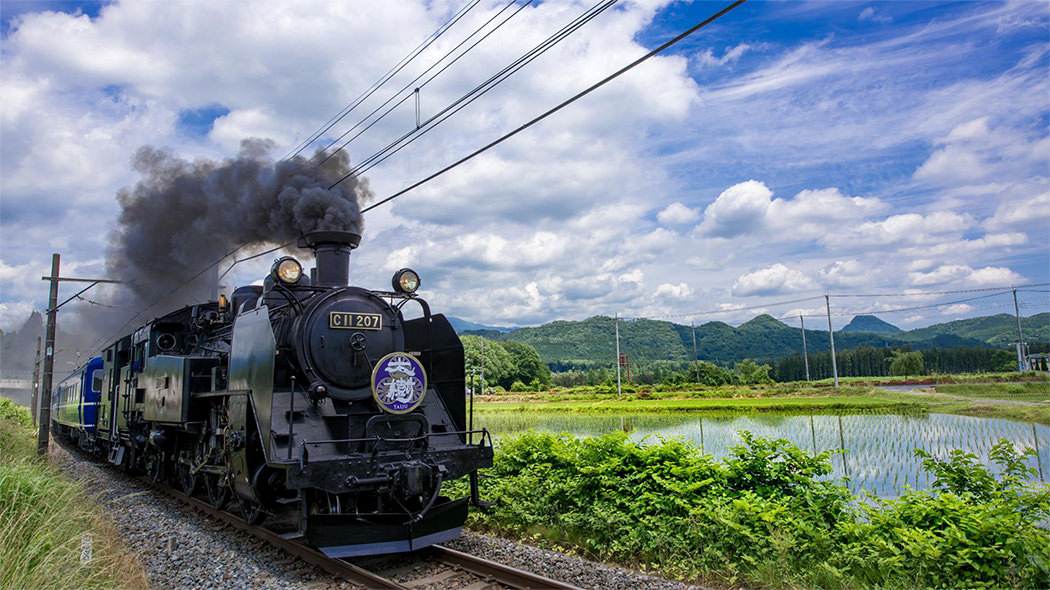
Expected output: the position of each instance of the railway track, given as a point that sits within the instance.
(434, 567)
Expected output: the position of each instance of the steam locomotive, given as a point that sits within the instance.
(310, 403)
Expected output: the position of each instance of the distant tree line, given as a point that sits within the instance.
(746, 372)
(863, 361)
(868, 361)
(516, 366)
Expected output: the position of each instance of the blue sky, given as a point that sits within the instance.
(788, 150)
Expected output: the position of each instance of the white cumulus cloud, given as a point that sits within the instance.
(773, 280)
(677, 214)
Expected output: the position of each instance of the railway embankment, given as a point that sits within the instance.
(181, 549)
(52, 534)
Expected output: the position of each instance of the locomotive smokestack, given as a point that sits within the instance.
(332, 253)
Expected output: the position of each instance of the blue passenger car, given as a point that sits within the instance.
(75, 401)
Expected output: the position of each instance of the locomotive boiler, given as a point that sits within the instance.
(308, 402)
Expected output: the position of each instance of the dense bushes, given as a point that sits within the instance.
(766, 515)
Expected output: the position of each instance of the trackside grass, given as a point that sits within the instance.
(766, 516)
(52, 535)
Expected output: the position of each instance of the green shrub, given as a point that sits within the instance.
(767, 515)
(971, 530)
(12, 412)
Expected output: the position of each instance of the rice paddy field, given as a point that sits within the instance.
(879, 448)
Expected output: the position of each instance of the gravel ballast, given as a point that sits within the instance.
(180, 548)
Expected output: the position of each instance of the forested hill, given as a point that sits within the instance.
(592, 342)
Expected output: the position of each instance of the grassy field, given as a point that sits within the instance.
(829, 403)
(1024, 392)
(1016, 400)
(52, 535)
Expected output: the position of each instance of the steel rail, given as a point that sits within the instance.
(337, 567)
(495, 571)
(504, 574)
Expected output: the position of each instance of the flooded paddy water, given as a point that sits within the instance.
(880, 447)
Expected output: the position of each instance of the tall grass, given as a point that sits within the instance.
(51, 534)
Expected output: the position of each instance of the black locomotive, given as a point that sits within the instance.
(309, 402)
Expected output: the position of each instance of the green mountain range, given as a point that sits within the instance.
(592, 342)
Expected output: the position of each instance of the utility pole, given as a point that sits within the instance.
(805, 352)
(834, 363)
(483, 365)
(49, 350)
(1022, 362)
(619, 389)
(49, 360)
(36, 382)
(696, 361)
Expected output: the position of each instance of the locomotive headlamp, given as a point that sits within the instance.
(287, 270)
(406, 281)
(318, 391)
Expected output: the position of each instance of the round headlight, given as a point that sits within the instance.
(406, 281)
(287, 270)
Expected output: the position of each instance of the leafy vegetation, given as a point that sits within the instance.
(906, 363)
(47, 524)
(767, 515)
(508, 365)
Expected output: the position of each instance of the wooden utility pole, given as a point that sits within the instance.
(696, 360)
(619, 389)
(805, 352)
(49, 350)
(49, 360)
(1022, 358)
(831, 334)
(36, 382)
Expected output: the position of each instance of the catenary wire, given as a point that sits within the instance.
(560, 106)
(326, 155)
(495, 80)
(721, 311)
(385, 78)
(252, 257)
(955, 292)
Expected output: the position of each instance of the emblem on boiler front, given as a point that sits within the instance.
(399, 383)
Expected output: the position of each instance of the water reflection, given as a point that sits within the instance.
(880, 455)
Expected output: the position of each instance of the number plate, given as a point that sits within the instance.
(346, 320)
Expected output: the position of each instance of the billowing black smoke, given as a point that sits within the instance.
(183, 216)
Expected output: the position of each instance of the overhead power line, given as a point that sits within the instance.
(477, 92)
(562, 105)
(384, 78)
(325, 155)
(731, 310)
(955, 292)
(116, 333)
(480, 90)
(912, 308)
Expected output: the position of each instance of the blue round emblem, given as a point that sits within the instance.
(399, 383)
